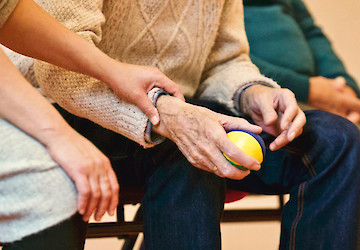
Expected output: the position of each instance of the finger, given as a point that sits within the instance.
(235, 154)
(225, 169)
(288, 135)
(280, 141)
(115, 192)
(104, 201)
(351, 103)
(290, 110)
(268, 113)
(354, 117)
(232, 123)
(148, 108)
(170, 87)
(94, 198)
(296, 127)
(83, 188)
(217, 164)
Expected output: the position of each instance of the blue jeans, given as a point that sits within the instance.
(183, 205)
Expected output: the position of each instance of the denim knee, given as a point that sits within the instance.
(328, 138)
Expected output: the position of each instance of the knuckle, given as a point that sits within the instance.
(192, 161)
(289, 92)
(96, 194)
(154, 70)
(226, 172)
(106, 195)
(199, 159)
(232, 153)
(116, 188)
(83, 168)
(106, 160)
(85, 192)
(98, 161)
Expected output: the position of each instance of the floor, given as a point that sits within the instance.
(245, 236)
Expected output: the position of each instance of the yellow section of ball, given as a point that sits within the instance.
(247, 143)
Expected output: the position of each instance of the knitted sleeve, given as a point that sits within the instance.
(82, 95)
(6, 8)
(229, 67)
(327, 62)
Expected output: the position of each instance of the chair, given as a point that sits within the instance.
(129, 230)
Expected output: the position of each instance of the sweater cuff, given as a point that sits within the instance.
(240, 91)
(153, 138)
(6, 8)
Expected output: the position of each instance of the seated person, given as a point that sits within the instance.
(288, 47)
(51, 178)
(202, 46)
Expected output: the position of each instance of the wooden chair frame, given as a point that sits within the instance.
(130, 230)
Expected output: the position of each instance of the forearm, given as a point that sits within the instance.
(328, 64)
(33, 32)
(229, 67)
(24, 107)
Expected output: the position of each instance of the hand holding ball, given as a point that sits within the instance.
(250, 143)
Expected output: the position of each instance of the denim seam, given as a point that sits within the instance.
(305, 159)
(309, 165)
(300, 210)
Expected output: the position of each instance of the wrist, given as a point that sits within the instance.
(239, 102)
(54, 133)
(150, 137)
(108, 71)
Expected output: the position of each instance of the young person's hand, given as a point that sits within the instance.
(90, 169)
(132, 83)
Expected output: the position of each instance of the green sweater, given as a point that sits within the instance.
(287, 46)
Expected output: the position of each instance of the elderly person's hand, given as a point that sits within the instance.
(276, 111)
(200, 134)
(333, 95)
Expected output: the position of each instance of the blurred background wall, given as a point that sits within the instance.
(340, 20)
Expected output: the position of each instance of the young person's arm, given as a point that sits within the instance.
(31, 31)
(26, 108)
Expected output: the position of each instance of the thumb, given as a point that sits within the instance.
(268, 112)
(149, 110)
(170, 87)
(354, 117)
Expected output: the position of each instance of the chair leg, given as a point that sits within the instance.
(281, 202)
(130, 242)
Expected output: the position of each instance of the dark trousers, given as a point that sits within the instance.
(183, 205)
(68, 235)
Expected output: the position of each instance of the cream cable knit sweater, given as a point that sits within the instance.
(6, 8)
(200, 44)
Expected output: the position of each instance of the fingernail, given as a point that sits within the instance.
(155, 120)
(292, 136)
(256, 166)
